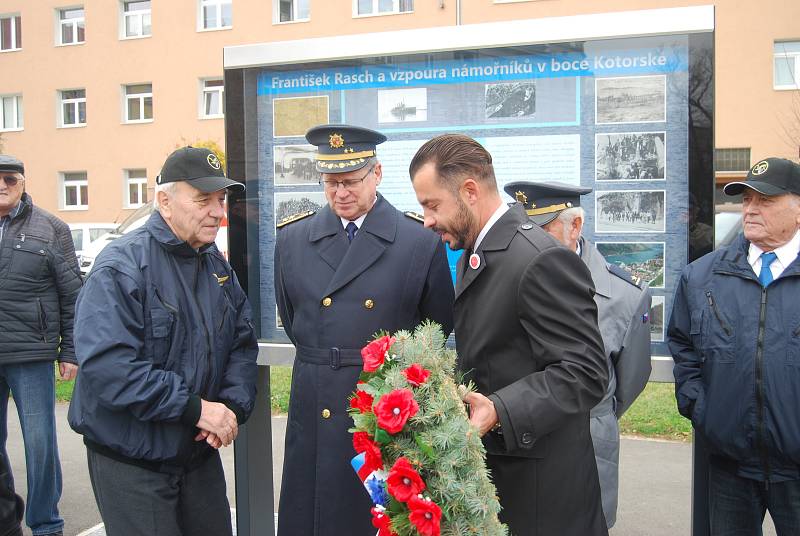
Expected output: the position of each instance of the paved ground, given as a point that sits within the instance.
(655, 482)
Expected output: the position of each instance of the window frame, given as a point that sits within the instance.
(276, 12)
(140, 182)
(62, 22)
(139, 14)
(376, 9)
(218, 4)
(126, 98)
(19, 112)
(65, 182)
(787, 56)
(16, 36)
(76, 103)
(206, 91)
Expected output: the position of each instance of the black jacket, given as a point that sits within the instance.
(39, 283)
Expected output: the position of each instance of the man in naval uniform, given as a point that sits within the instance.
(623, 308)
(356, 267)
(527, 336)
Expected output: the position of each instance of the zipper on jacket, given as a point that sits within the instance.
(759, 372)
(42, 319)
(203, 319)
(712, 303)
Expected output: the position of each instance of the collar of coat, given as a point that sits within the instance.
(733, 260)
(159, 229)
(381, 221)
(598, 267)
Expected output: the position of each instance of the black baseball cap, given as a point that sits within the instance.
(199, 167)
(11, 163)
(771, 176)
(343, 148)
(544, 201)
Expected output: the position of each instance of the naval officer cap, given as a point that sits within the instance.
(343, 148)
(544, 201)
(771, 176)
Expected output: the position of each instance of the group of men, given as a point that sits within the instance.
(555, 339)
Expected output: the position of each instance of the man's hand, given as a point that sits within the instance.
(482, 414)
(219, 421)
(209, 438)
(68, 371)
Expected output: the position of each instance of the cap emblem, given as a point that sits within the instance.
(336, 141)
(521, 197)
(213, 161)
(760, 168)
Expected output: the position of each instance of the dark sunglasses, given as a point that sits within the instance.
(11, 180)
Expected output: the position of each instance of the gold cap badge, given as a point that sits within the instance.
(336, 141)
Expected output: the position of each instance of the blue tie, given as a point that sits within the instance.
(765, 277)
(351, 229)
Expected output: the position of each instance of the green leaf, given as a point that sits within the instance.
(382, 436)
(425, 448)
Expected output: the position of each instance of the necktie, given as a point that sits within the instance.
(765, 277)
(351, 229)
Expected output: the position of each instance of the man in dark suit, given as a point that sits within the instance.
(527, 335)
(356, 267)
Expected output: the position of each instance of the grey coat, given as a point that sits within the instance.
(623, 316)
(333, 296)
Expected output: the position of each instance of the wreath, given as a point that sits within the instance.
(421, 461)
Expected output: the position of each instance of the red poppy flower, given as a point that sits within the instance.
(416, 375)
(362, 401)
(394, 409)
(403, 481)
(382, 522)
(375, 352)
(362, 442)
(425, 515)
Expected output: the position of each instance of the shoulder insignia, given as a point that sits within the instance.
(294, 217)
(624, 275)
(414, 216)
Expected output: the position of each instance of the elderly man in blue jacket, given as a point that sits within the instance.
(735, 338)
(167, 358)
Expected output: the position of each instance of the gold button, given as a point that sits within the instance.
(369, 304)
(326, 302)
(326, 413)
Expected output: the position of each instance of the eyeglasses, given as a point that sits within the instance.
(351, 185)
(11, 180)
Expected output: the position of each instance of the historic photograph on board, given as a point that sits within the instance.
(657, 319)
(632, 156)
(291, 203)
(510, 100)
(294, 116)
(402, 105)
(644, 260)
(635, 99)
(294, 165)
(629, 211)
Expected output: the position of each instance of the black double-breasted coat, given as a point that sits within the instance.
(527, 335)
(333, 296)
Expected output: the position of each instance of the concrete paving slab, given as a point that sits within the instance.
(655, 481)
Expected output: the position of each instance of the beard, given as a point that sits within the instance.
(461, 229)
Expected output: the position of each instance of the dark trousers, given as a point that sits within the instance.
(736, 505)
(134, 501)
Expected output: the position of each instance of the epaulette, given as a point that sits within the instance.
(294, 217)
(415, 216)
(624, 275)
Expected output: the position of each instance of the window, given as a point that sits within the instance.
(216, 14)
(291, 10)
(136, 19)
(10, 112)
(71, 26)
(728, 160)
(10, 32)
(73, 107)
(138, 103)
(380, 7)
(75, 191)
(135, 188)
(787, 65)
(212, 99)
